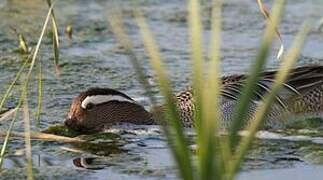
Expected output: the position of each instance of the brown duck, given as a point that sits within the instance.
(301, 96)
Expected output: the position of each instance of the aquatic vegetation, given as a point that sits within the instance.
(216, 156)
(23, 102)
(61, 130)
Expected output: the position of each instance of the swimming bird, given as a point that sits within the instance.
(301, 95)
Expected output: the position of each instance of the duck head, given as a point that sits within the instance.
(98, 108)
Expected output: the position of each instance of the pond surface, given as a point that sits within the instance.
(94, 59)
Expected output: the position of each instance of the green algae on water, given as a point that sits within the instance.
(61, 130)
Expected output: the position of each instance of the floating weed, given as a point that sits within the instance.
(102, 136)
(43, 137)
(61, 130)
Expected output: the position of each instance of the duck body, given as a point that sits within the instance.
(301, 95)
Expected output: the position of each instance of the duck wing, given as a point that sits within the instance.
(232, 85)
(300, 80)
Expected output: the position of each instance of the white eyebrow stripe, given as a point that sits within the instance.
(99, 99)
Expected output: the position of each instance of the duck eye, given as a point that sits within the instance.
(89, 106)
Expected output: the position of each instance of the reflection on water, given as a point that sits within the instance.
(87, 163)
(141, 151)
(93, 59)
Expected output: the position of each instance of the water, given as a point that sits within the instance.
(94, 59)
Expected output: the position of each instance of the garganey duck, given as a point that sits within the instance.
(302, 94)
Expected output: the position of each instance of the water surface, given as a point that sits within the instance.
(94, 59)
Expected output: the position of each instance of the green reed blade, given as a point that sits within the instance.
(32, 57)
(178, 140)
(211, 166)
(54, 23)
(195, 37)
(55, 39)
(26, 118)
(8, 92)
(119, 31)
(281, 76)
(35, 54)
(7, 138)
(40, 93)
(56, 55)
(24, 94)
(247, 94)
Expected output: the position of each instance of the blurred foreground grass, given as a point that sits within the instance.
(217, 157)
